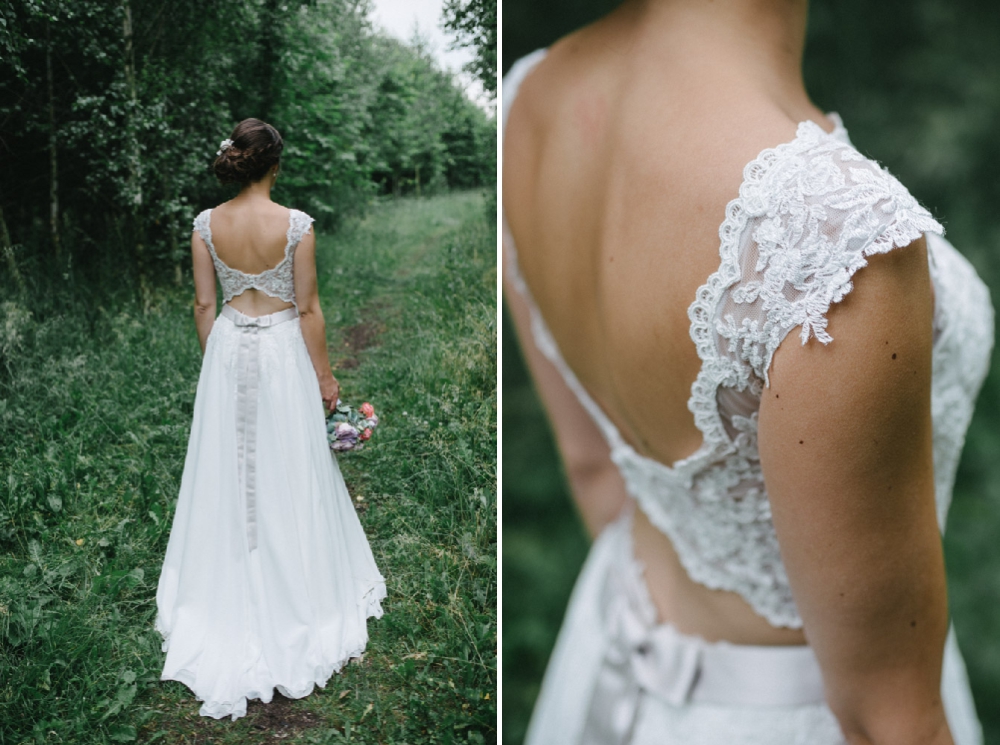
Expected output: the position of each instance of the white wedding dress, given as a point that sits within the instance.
(268, 579)
(807, 215)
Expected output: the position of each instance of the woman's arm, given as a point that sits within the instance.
(311, 318)
(846, 449)
(204, 288)
(595, 483)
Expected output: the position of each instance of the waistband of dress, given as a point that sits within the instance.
(681, 668)
(271, 319)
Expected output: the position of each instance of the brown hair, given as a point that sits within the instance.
(255, 150)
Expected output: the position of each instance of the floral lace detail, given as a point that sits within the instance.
(808, 215)
(276, 281)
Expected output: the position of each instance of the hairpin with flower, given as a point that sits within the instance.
(225, 145)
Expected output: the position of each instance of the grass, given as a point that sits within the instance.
(94, 414)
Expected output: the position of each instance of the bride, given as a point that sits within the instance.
(268, 579)
(759, 358)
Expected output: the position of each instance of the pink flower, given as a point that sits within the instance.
(365, 435)
(367, 410)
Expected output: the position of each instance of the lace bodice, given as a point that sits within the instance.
(276, 281)
(808, 214)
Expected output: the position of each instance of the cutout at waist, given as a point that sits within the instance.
(271, 319)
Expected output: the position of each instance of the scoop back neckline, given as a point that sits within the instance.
(288, 243)
(676, 468)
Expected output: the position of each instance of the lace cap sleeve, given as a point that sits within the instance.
(203, 227)
(299, 223)
(808, 217)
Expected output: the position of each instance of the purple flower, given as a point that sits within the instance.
(345, 437)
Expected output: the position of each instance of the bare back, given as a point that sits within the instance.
(617, 172)
(620, 156)
(252, 237)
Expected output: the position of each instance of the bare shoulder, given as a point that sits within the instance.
(277, 211)
(874, 375)
(572, 65)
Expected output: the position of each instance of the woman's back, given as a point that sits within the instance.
(256, 238)
(619, 161)
(250, 237)
(674, 207)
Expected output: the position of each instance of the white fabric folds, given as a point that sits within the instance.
(268, 578)
(616, 677)
(644, 658)
(246, 404)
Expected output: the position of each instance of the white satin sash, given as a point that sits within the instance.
(643, 658)
(247, 365)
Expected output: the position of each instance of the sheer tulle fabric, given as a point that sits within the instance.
(236, 622)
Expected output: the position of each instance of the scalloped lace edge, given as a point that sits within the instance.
(906, 227)
(767, 605)
(299, 224)
(716, 371)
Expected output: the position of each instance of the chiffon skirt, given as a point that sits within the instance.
(617, 677)
(268, 579)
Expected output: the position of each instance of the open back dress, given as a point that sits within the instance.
(268, 579)
(808, 214)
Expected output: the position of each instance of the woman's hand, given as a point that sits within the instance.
(329, 389)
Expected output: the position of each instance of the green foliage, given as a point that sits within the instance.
(430, 479)
(323, 107)
(475, 24)
(110, 115)
(94, 417)
(423, 129)
(92, 425)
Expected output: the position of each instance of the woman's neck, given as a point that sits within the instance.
(256, 191)
(760, 42)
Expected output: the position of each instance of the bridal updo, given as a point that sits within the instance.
(255, 148)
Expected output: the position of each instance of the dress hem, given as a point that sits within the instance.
(372, 596)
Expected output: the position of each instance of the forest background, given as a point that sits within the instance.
(111, 112)
(918, 87)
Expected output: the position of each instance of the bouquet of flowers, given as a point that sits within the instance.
(350, 429)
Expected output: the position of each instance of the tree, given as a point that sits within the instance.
(474, 23)
(110, 113)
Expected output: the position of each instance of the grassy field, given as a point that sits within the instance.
(95, 407)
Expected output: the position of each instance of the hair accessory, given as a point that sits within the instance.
(226, 144)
